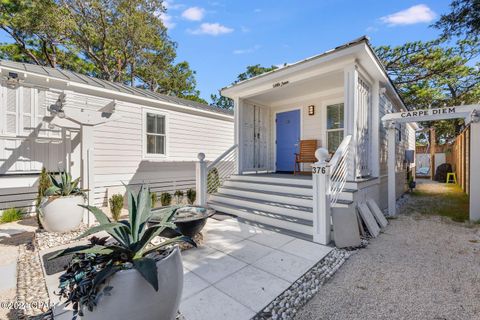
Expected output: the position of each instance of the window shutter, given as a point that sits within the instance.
(11, 112)
(27, 105)
(41, 113)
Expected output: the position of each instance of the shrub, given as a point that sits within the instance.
(44, 183)
(213, 181)
(191, 195)
(165, 199)
(178, 196)
(154, 198)
(12, 214)
(116, 205)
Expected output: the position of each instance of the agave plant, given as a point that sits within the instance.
(64, 186)
(130, 247)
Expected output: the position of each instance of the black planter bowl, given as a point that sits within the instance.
(189, 220)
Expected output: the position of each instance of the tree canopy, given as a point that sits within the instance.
(118, 40)
(462, 21)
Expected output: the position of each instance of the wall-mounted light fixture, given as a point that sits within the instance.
(311, 110)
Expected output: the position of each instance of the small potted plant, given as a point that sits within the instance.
(126, 276)
(60, 209)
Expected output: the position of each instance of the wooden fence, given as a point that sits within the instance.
(458, 155)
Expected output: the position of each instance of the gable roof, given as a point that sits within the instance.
(363, 39)
(82, 79)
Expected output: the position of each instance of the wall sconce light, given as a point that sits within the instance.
(311, 110)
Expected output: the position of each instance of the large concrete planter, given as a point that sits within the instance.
(62, 214)
(132, 297)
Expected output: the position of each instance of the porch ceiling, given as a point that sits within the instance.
(300, 90)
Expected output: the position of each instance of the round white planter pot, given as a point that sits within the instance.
(62, 214)
(132, 297)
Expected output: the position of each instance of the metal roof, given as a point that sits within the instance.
(108, 85)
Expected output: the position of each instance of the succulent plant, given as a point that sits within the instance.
(64, 186)
(131, 247)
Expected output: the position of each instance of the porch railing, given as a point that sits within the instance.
(339, 170)
(211, 176)
(329, 180)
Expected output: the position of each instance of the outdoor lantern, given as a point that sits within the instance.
(311, 110)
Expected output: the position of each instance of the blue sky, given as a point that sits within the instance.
(219, 38)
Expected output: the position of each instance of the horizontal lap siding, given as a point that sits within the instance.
(118, 151)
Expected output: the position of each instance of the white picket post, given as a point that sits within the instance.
(321, 198)
(201, 180)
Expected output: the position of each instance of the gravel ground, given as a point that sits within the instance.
(420, 267)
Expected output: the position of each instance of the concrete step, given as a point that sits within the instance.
(295, 199)
(275, 178)
(287, 209)
(265, 217)
(270, 186)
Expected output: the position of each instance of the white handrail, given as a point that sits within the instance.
(339, 170)
(220, 157)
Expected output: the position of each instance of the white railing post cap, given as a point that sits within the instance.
(201, 156)
(322, 154)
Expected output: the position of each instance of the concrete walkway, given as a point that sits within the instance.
(421, 267)
(11, 236)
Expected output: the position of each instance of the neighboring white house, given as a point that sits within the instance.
(340, 95)
(143, 137)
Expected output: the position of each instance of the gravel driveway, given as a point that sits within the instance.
(421, 267)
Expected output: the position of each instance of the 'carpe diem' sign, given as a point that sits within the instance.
(427, 112)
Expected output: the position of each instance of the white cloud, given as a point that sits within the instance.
(167, 21)
(193, 14)
(416, 14)
(213, 29)
(171, 5)
(258, 10)
(248, 50)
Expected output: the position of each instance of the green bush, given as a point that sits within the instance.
(213, 181)
(116, 205)
(166, 199)
(178, 196)
(11, 215)
(191, 195)
(154, 198)
(44, 183)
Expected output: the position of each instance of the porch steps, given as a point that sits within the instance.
(279, 201)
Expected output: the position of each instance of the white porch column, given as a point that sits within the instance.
(474, 170)
(391, 132)
(321, 198)
(201, 180)
(375, 156)
(351, 109)
(87, 156)
(238, 133)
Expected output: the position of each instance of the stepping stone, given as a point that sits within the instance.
(346, 231)
(369, 220)
(377, 213)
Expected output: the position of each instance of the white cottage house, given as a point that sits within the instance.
(337, 99)
(107, 133)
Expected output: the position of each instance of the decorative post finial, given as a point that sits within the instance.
(201, 156)
(322, 154)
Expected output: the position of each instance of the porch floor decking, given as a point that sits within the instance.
(241, 268)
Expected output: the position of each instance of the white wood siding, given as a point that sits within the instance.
(118, 148)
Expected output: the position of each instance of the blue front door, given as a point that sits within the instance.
(288, 136)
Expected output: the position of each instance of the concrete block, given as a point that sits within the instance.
(377, 213)
(369, 220)
(345, 227)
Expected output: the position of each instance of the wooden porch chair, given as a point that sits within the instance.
(306, 154)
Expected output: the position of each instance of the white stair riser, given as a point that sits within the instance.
(267, 197)
(266, 220)
(263, 206)
(269, 187)
(349, 196)
(253, 178)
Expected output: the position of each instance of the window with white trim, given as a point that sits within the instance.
(155, 134)
(335, 126)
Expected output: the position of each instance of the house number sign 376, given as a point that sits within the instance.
(319, 170)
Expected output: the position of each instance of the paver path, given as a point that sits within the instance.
(421, 267)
